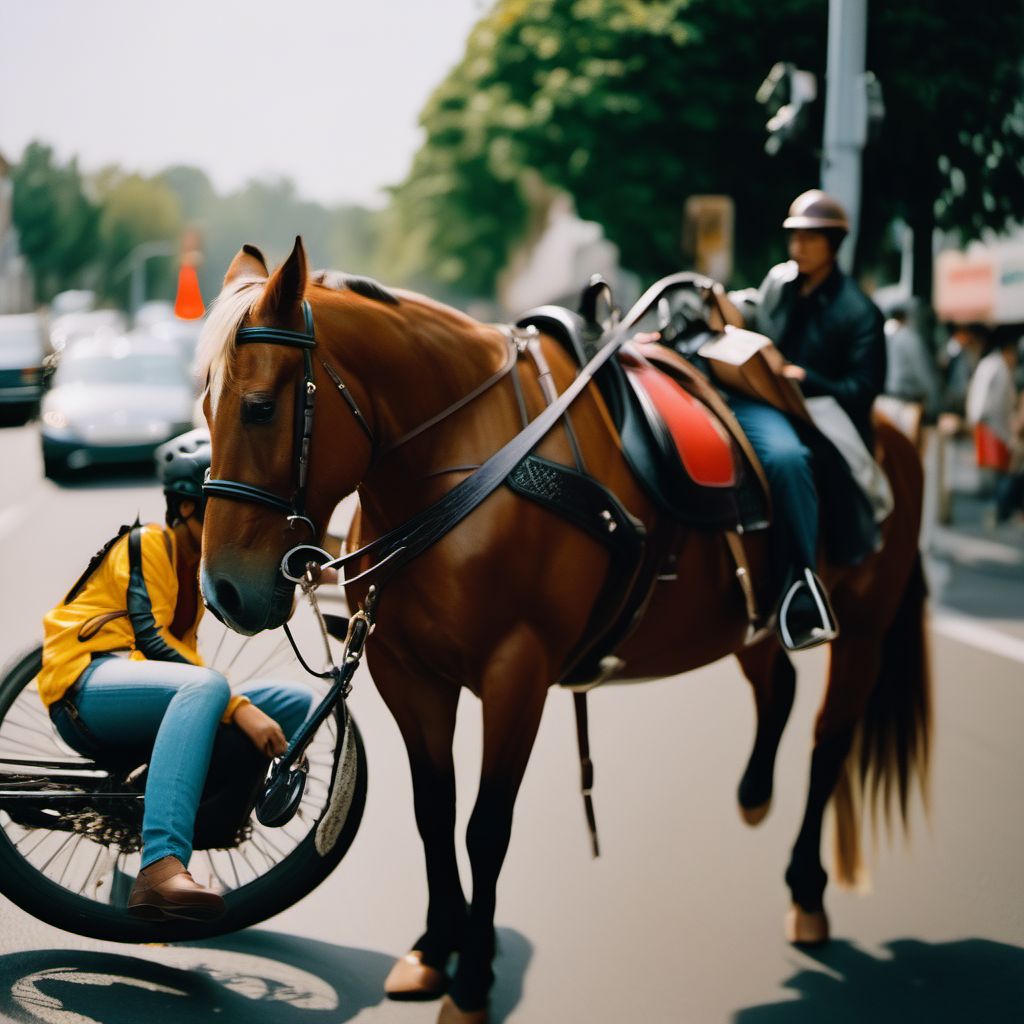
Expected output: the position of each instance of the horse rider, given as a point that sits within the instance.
(832, 336)
(121, 669)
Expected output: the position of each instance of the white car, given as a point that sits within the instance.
(114, 400)
(22, 351)
(70, 327)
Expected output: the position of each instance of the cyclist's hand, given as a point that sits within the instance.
(266, 735)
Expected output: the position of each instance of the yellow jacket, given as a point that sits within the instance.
(127, 604)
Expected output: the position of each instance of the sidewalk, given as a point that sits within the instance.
(975, 569)
(970, 538)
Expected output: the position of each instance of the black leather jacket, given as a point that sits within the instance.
(835, 334)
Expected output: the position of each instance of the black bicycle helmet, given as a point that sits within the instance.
(181, 465)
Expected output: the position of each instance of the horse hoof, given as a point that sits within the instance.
(411, 978)
(806, 928)
(755, 815)
(451, 1014)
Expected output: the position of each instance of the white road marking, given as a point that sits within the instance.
(976, 634)
(10, 518)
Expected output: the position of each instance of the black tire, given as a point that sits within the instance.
(297, 874)
(55, 468)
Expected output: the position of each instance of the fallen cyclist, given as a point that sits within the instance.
(121, 669)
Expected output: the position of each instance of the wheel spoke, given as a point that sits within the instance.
(56, 852)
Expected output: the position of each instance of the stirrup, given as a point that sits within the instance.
(822, 631)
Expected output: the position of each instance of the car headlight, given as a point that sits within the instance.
(55, 418)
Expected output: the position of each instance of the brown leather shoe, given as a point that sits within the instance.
(165, 891)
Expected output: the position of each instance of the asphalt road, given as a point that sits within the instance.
(680, 920)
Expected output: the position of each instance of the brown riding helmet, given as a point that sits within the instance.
(818, 211)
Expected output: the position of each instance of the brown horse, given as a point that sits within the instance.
(501, 602)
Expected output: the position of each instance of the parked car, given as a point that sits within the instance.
(113, 401)
(184, 334)
(65, 330)
(22, 351)
(155, 311)
(77, 300)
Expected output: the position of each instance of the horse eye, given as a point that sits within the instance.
(257, 410)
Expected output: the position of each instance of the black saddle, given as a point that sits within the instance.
(647, 441)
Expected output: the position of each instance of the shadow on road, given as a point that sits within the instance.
(942, 983)
(256, 977)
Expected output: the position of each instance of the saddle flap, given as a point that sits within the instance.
(698, 439)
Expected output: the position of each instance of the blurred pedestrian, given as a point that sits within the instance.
(992, 410)
(964, 350)
(911, 372)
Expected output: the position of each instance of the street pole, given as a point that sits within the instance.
(845, 112)
(135, 263)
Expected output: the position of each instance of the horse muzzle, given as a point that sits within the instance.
(246, 603)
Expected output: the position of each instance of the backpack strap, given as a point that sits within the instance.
(95, 562)
(140, 609)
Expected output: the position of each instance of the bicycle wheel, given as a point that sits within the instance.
(78, 878)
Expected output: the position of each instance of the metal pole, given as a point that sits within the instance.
(845, 112)
(135, 263)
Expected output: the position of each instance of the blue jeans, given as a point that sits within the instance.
(175, 709)
(787, 464)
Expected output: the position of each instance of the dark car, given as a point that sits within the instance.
(114, 400)
(22, 351)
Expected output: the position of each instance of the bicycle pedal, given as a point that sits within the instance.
(280, 799)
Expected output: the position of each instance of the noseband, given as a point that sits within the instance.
(295, 508)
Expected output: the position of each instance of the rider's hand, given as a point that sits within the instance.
(266, 735)
(646, 337)
(794, 372)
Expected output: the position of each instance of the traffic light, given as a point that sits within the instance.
(786, 94)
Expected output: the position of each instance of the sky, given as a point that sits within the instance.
(326, 93)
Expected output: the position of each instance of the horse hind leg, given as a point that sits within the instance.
(773, 679)
(854, 667)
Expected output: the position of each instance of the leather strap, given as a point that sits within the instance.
(510, 361)
(739, 556)
(579, 702)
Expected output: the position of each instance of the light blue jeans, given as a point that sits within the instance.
(176, 709)
(787, 464)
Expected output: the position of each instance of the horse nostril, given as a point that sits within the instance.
(228, 598)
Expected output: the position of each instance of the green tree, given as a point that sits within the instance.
(631, 106)
(56, 221)
(134, 210)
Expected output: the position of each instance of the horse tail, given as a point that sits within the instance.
(890, 753)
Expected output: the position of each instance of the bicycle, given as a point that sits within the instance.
(70, 826)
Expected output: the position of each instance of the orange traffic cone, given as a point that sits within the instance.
(189, 302)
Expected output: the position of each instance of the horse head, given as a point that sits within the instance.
(263, 368)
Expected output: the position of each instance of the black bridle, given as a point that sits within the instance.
(295, 507)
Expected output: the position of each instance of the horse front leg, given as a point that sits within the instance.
(773, 679)
(425, 711)
(513, 698)
(853, 668)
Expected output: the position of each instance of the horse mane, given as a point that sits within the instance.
(367, 287)
(217, 339)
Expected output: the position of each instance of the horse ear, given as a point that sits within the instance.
(248, 262)
(287, 284)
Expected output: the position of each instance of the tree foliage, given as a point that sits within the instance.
(134, 210)
(83, 231)
(631, 106)
(56, 222)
